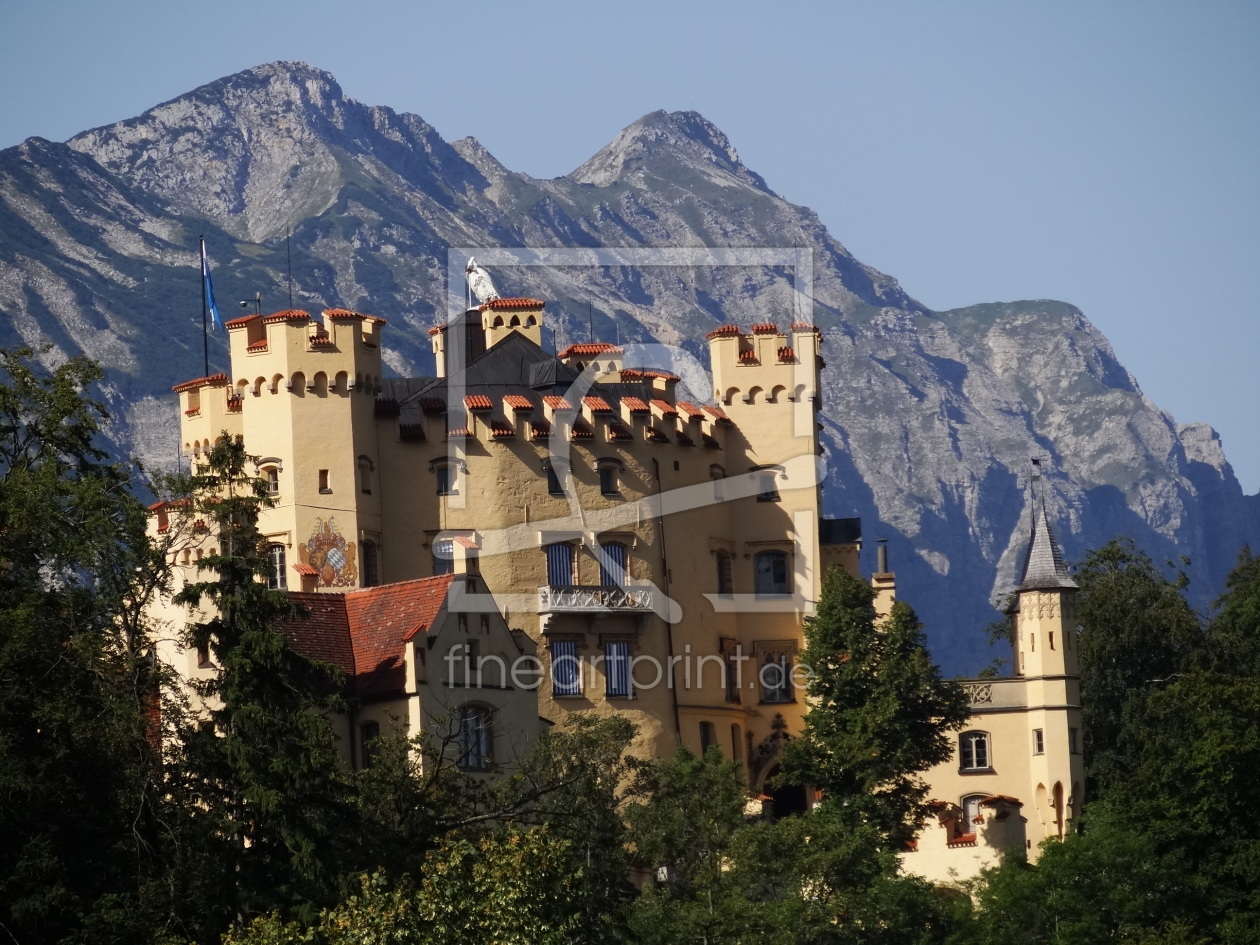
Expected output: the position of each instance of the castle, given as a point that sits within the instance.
(526, 535)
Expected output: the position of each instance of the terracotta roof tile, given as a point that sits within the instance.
(717, 413)
(336, 313)
(690, 409)
(617, 432)
(787, 354)
(597, 404)
(478, 402)
(501, 429)
(411, 432)
(665, 407)
(518, 402)
(595, 347)
(433, 404)
(557, 403)
(212, 380)
(257, 346)
(499, 305)
(306, 570)
(656, 436)
(539, 430)
(581, 431)
(725, 331)
(966, 840)
(632, 374)
(994, 799)
(748, 357)
(437, 330)
(289, 315)
(239, 322)
(635, 405)
(456, 433)
(765, 328)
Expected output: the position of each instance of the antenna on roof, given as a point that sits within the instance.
(256, 301)
(288, 251)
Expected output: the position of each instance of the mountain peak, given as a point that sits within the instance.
(662, 139)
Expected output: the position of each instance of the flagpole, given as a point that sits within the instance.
(205, 325)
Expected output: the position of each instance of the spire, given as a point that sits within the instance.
(1043, 568)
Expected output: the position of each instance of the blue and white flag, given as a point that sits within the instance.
(208, 289)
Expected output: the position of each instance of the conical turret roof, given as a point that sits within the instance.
(1043, 567)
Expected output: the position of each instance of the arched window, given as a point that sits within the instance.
(366, 468)
(371, 564)
(475, 738)
(277, 578)
(608, 469)
(767, 483)
(973, 752)
(771, 570)
(708, 736)
(972, 816)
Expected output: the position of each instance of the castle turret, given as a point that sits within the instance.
(501, 317)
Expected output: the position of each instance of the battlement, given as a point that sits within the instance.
(765, 364)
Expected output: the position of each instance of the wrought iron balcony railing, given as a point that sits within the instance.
(592, 599)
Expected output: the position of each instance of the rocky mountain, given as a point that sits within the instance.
(929, 417)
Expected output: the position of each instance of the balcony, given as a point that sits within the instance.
(594, 599)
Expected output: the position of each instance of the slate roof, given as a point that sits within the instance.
(1044, 568)
(364, 632)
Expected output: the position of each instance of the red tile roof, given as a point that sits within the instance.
(656, 436)
(806, 326)
(581, 431)
(365, 632)
(765, 328)
(239, 322)
(787, 354)
(665, 407)
(438, 330)
(498, 305)
(347, 313)
(306, 570)
(634, 374)
(617, 432)
(458, 432)
(691, 409)
(635, 405)
(478, 402)
(966, 840)
(289, 315)
(432, 404)
(539, 430)
(320, 340)
(212, 380)
(591, 347)
(748, 357)
(501, 429)
(994, 799)
(257, 346)
(717, 413)
(597, 404)
(518, 402)
(725, 331)
(556, 402)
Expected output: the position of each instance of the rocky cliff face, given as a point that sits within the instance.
(929, 417)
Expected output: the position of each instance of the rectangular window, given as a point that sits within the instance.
(369, 732)
(324, 487)
(775, 674)
(612, 565)
(203, 656)
(443, 557)
(371, 565)
(732, 666)
(1072, 741)
(973, 751)
(725, 582)
(617, 681)
(608, 479)
(1039, 742)
(566, 671)
(559, 564)
(771, 573)
(554, 485)
(767, 486)
(445, 480)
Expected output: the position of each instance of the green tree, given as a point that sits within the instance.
(79, 776)
(267, 810)
(879, 715)
(1139, 634)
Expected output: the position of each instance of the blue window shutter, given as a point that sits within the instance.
(559, 564)
(617, 669)
(612, 565)
(566, 672)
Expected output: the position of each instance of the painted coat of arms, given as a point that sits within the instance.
(329, 553)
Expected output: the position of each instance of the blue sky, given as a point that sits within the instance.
(1105, 154)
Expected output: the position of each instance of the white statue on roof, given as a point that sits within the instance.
(479, 282)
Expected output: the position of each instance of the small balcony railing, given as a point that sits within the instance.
(594, 599)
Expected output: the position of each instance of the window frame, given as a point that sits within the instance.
(783, 653)
(607, 577)
(551, 563)
(626, 690)
(476, 753)
(1039, 741)
(371, 563)
(772, 554)
(969, 759)
(443, 564)
(724, 561)
(572, 687)
(368, 732)
(278, 556)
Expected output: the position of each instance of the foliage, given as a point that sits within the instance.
(266, 811)
(1139, 634)
(78, 774)
(879, 715)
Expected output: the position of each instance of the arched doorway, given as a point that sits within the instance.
(788, 800)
